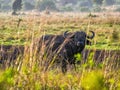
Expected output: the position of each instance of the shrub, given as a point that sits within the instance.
(93, 80)
(92, 15)
(6, 79)
(115, 36)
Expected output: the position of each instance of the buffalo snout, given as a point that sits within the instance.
(80, 43)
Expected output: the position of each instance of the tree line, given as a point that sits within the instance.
(56, 5)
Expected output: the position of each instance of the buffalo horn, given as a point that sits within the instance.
(92, 36)
(65, 34)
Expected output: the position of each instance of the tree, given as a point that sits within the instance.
(17, 5)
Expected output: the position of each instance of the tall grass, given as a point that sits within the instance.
(88, 75)
(91, 74)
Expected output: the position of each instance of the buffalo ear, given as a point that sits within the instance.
(88, 42)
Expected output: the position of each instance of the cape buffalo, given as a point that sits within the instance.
(62, 48)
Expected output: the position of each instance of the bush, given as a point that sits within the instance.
(6, 79)
(93, 80)
(115, 36)
(92, 15)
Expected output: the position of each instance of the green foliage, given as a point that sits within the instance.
(89, 63)
(17, 5)
(78, 57)
(37, 86)
(93, 80)
(115, 36)
(7, 79)
(118, 86)
(91, 15)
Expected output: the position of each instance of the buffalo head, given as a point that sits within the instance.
(80, 37)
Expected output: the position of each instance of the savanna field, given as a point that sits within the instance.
(101, 71)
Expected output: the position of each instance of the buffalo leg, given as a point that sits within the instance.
(64, 66)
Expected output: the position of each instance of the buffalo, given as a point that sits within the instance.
(62, 48)
(9, 54)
